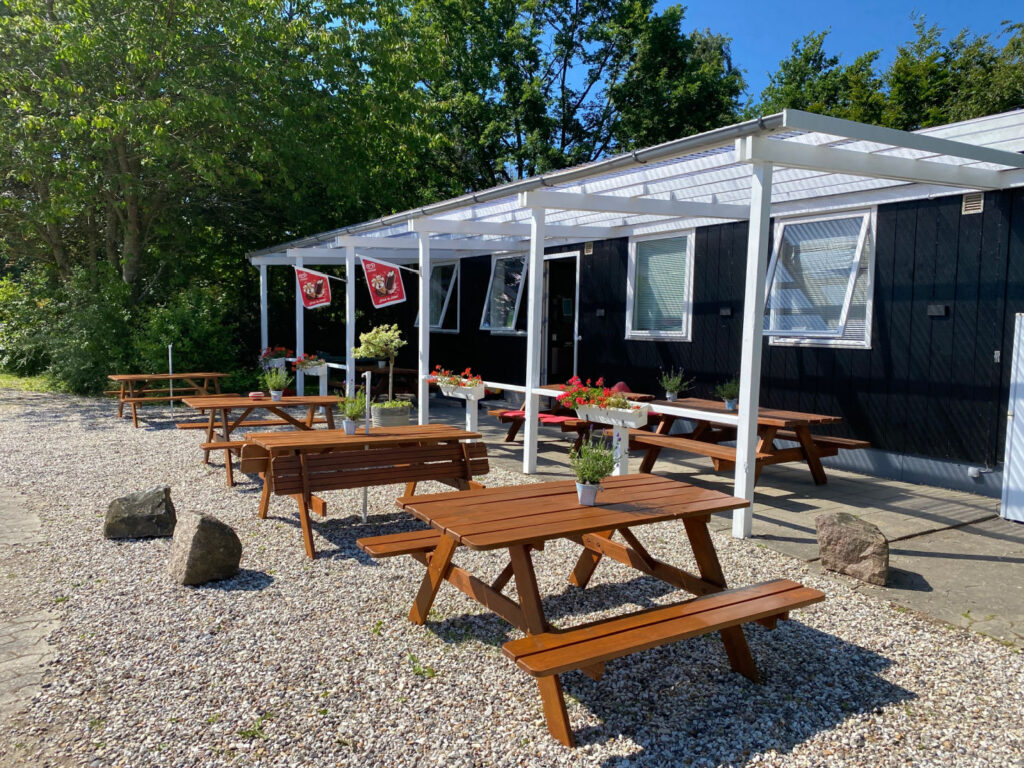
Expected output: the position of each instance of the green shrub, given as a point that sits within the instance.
(199, 323)
(25, 315)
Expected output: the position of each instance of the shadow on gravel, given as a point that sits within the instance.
(344, 528)
(682, 703)
(247, 580)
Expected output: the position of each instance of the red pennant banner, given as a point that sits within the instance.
(385, 283)
(314, 287)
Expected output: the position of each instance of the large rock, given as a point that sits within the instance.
(141, 515)
(204, 549)
(853, 546)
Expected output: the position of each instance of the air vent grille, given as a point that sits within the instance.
(973, 203)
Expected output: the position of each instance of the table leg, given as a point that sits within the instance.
(587, 562)
(120, 402)
(436, 571)
(811, 456)
(210, 424)
(268, 487)
(329, 416)
(526, 587)
(131, 394)
(653, 452)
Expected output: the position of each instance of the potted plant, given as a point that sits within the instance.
(467, 385)
(274, 357)
(729, 391)
(672, 382)
(352, 409)
(598, 404)
(383, 342)
(592, 463)
(275, 380)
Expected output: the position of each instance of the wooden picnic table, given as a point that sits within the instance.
(135, 388)
(710, 431)
(521, 519)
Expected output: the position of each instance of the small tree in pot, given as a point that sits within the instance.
(592, 463)
(383, 342)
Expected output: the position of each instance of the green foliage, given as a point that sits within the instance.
(382, 343)
(354, 407)
(198, 322)
(592, 462)
(673, 381)
(275, 379)
(728, 390)
(393, 404)
(25, 314)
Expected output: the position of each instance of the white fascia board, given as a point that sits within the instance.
(807, 121)
(508, 228)
(575, 201)
(873, 165)
(412, 244)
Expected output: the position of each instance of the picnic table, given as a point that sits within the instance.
(521, 519)
(300, 464)
(137, 388)
(710, 432)
(221, 406)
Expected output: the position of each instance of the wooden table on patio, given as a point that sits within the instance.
(521, 519)
(772, 423)
(136, 388)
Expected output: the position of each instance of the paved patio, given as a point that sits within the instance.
(951, 556)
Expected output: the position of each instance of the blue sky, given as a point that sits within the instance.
(762, 32)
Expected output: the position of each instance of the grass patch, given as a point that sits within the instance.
(41, 383)
(256, 731)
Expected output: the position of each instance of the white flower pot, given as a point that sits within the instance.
(315, 370)
(474, 392)
(730, 405)
(350, 426)
(671, 396)
(382, 363)
(275, 394)
(389, 417)
(587, 493)
(622, 417)
(275, 362)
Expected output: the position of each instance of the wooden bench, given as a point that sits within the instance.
(516, 418)
(591, 646)
(304, 474)
(247, 423)
(827, 445)
(404, 543)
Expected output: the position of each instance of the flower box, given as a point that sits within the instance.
(616, 417)
(465, 392)
(313, 370)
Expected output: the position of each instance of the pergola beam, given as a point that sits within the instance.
(507, 228)
(579, 201)
(756, 149)
(413, 244)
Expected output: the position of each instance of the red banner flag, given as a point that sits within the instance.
(384, 281)
(315, 288)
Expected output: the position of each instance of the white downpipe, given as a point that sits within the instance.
(423, 367)
(750, 358)
(264, 317)
(534, 343)
(350, 322)
(300, 331)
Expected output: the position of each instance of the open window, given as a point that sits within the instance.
(819, 281)
(444, 298)
(659, 290)
(505, 295)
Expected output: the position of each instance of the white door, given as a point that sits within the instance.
(1012, 507)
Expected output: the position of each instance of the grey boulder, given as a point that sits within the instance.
(143, 514)
(853, 546)
(204, 549)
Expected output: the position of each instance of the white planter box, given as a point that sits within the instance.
(316, 370)
(616, 417)
(466, 393)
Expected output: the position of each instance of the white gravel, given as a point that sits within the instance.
(314, 663)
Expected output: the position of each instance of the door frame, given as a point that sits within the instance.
(545, 359)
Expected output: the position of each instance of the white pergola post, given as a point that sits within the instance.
(350, 321)
(423, 367)
(534, 343)
(300, 330)
(750, 358)
(264, 311)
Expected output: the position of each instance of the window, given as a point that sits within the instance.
(659, 290)
(819, 282)
(444, 298)
(504, 295)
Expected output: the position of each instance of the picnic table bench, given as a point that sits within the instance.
(136, 389)
(709, 433)
(522, 519)
(301, 465)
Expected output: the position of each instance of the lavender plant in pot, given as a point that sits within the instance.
(352, 409)
(729, 391)
(592, 462)
(275, 380)
(673, 383)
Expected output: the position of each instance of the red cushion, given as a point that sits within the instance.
(621, 386)
(547, 418)
(513, 413)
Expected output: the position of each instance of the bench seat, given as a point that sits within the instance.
(404, 543)
(589, 647)
(638, 437)
(838, 443)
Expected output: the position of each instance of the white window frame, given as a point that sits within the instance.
(830, 339)
(686, 324)
(455, 284)
(484, 317)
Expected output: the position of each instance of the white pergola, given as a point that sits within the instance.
(785, 164)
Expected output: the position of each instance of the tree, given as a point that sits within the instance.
(676, 84)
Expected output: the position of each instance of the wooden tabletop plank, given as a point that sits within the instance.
(163, 376)
(221, 402)
(772, 417)
(295, 440)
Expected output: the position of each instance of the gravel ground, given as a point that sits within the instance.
(300, 663)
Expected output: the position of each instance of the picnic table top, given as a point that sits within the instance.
(494, 518)
(164, 376)
(772, 417)
(243, 401)
(380, 436)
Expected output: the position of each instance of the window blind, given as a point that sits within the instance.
(660, 300)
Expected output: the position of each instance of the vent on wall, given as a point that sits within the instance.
(974, 202)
